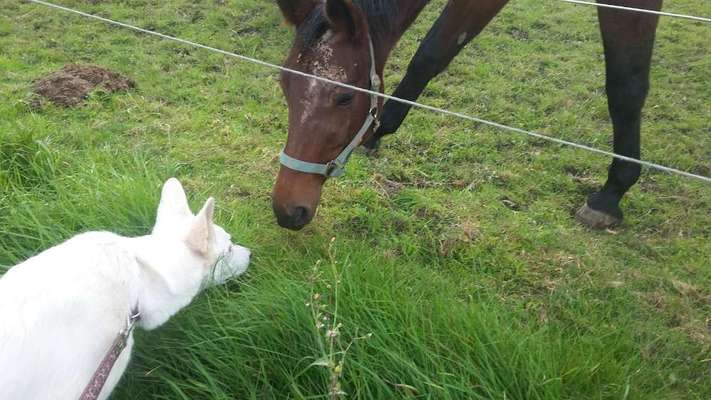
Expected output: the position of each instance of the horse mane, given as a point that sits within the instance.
(380, 15)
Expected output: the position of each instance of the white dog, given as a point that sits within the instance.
(60, 311)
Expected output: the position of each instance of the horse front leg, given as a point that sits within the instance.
(628, 40)
(459, 23)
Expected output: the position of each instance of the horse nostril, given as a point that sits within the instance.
(301, 216)
(293, 218)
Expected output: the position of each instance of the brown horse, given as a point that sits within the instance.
(350, 41)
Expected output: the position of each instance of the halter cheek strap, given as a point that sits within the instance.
(336, 167)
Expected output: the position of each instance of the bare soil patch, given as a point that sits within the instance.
(71, 85)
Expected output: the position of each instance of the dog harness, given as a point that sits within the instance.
(336, 167)
(98, 380)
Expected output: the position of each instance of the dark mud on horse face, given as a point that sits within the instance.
(331, 42)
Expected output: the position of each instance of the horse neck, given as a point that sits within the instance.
(408, 11)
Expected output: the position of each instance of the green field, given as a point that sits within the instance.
(455, 247)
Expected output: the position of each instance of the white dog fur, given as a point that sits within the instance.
(61, 310)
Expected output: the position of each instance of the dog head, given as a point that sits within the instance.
(220, 259)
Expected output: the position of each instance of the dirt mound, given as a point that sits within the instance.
(70, 85)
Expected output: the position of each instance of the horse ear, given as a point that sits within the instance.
(344, 16)
(296, 11)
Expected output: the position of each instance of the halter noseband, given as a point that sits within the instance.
(337, 166)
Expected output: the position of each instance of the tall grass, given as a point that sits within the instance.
(41, 206)
(455, 248)
(256, 338)
(24, 161)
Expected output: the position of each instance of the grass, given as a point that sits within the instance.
(456, 248)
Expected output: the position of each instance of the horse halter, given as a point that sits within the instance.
(336, 167)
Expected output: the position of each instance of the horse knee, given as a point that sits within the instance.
(626, 97)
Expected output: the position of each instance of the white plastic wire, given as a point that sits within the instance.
(640, 10)
(385, 96)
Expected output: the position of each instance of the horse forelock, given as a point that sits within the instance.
(380, 15)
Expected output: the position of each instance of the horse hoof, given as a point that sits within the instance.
(596, 219)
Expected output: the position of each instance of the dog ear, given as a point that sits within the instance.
(344, 16)
(202, 232)
(296, 11)
(173, 203)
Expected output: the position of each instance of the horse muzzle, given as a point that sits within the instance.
(296, 197)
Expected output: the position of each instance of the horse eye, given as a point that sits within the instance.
(344, 99)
